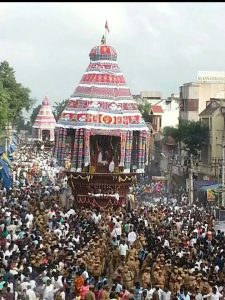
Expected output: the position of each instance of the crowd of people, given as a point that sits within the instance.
(51, 249)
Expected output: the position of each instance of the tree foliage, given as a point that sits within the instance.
(145, 109)
(194, 135)
(22, 125)
(13, 96)
(58, 108)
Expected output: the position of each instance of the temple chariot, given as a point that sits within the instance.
(101, 139)
(43, 129)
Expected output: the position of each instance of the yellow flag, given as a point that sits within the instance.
(5, 158)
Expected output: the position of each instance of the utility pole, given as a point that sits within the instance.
(6, 137)
(190, 190)
(223, 175)
(170, 164)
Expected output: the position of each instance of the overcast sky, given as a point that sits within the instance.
(159, 45)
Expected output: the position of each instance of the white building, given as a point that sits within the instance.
(166, 109)
(194, 95)
(171, 111)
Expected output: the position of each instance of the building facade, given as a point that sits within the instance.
(211, 157)
(194, 95)
(171, 111)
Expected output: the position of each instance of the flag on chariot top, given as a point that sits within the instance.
(106, 26)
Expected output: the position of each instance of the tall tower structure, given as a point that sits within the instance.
(101, 138)
(43, 128)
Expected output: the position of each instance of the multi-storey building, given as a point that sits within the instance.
(194, 95)
(212, 153)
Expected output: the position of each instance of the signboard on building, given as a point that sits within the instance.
(209, 76)
(212, 195)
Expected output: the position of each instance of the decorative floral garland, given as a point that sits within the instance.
(81, 177)
(127, 178)
(95, 203)
(88, 177)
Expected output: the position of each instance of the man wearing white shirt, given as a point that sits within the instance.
(150, 292)
(33, 284)
(25, 284)
(62, 294)
(184, 296)
(118, 230)
(123, 248)
(11, 236)
(12, 228)
(30, 293)
(215, 295)
(198, 295)
(166, 243)
(165, 295)
(58, 232)
(131, 237)
(97, 217)
(49, 291)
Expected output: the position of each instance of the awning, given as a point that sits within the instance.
(198, 184)
(211, 187)
(158, 178)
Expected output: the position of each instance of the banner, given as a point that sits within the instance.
(212, 195)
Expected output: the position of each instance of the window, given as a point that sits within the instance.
(204, 154)
(206, 121)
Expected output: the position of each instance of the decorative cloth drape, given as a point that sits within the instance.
(140, 153)
(122, 148)
(147, 148)
(134, 156)
(75, 149)
(60, 146)
(128, 148)
(143, 158)
(87, 147)
(80, 150)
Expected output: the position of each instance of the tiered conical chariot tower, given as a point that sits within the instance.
(43, 129)
(101, 137)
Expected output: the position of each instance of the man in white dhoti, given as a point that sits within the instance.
(112, 166)
(99, 157)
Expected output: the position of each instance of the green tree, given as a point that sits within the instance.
(145, 109)
(4, 97)
(58, 108)
(194, 135)
(13, 96)
(20, 124)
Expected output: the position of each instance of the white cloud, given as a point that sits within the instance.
(159, 45)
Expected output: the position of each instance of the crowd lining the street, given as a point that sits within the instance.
(51, 249)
